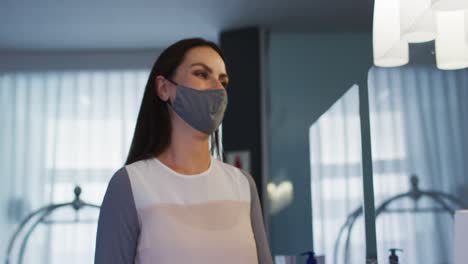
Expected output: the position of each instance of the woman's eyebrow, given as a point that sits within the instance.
(207, 68)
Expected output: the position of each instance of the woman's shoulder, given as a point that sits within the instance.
(227, 168)
(139, 164)
(236, 172)
(140, 168)
(129, 175)
(119, 182)
(119, 177)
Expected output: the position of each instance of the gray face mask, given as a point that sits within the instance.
(203, 110)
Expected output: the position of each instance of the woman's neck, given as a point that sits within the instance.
(188, 153)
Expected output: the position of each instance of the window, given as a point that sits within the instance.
(63, 129)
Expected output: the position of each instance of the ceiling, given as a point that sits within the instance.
(143, 24)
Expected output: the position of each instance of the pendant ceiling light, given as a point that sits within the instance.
(451, 42)
(450, 5)
(389, 49)
(417, 21)
(400, 22)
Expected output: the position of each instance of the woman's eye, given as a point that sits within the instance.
(201, 74)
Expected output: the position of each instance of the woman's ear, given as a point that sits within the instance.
(162, 88)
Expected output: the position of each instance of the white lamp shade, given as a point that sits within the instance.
(450, 5)
(451, 41)
(417, 21)
(466, 26)
(389, 49)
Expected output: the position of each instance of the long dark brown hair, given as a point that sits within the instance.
(153, 128)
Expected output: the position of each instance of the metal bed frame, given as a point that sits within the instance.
(446, 203)
(40, 216)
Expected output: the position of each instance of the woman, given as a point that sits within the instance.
(173, 202)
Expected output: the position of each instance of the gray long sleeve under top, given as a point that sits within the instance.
(152, 214)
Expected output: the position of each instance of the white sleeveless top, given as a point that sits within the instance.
(203, 218)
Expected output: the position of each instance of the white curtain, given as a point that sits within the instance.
(418, 126)
(336, 177)
(59, 130)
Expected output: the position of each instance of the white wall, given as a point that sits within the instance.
(11, 61)
(307, 73)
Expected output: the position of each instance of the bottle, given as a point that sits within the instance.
(393, 258)
(311, 259)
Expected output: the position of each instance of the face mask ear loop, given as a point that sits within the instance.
(171, 81)
(169, 100)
